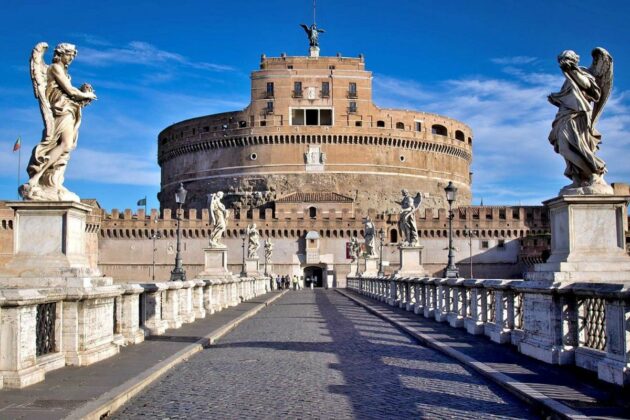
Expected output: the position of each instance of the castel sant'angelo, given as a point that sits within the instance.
(308, 161)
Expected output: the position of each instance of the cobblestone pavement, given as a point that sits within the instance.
(315, 354)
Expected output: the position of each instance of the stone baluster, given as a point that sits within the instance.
(153, 297)
(186, 311)
(474, 323)
(199, 308)
(443, 300)
(171, 303)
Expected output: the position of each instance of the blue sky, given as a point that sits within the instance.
(489, 63)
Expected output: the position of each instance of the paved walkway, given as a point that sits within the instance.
(316, 354)
(69, 388)
(577, 389)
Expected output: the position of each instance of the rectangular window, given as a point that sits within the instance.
(501, 243)
(312, 117)
(297, 117)
(325, 117)
(325, 89)
(418, 126)
(269, 89)
(358, 123)
(263, 123)
(269, 107)
(352, 107)
(352, 90)
(485, 245)
(297, 89)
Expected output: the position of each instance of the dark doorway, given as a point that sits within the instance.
(315, 274)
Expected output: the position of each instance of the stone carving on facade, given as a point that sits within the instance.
(355, 247)
(60, 104)
(218, 217)
(268, 250)
(370, 238)
(311, 93)
(407, 219)
(573, 135)
(253, 241)
(313, 34)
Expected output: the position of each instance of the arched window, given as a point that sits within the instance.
(400, 125)
(439, 130)
(459, 135)
(393, 236)
(380, 123)
(312, 212)
(470, 141)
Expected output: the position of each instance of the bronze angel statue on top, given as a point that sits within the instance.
(60, 104)
(313, 34)
(573, 133)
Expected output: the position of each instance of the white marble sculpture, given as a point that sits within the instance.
(253, 241)
(370, 238)
(407, 219)
(354, 249)
(60, 104)
(218, 216)
(573, 134)
(268, 250)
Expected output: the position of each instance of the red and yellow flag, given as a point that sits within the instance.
(18, 144)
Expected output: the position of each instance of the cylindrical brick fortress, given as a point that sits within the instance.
(311, 127)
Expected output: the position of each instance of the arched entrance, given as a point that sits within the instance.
(313, 273)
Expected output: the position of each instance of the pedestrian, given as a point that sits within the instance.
(277, 281)
(295, 282)
(312, 281)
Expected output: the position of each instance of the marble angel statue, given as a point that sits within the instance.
(218, 217)
(355, 248)
(573, 134)
(370, 238)
(60, 104)
(407, 218)
(253, 241)
(268, 250)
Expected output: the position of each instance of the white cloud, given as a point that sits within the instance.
(141, 53)
(517, 60)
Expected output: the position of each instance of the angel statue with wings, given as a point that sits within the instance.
(253, 241)
(218, 216)
(370, 238)
(268, 250)
(573, 134)
(313, 34)
(60, 104)
(407, 218)
(355, 248)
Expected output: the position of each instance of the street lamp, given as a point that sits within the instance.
(381, 237)
(155, 235)
(451, 194)
(178, 272)
(470, 233)
(244, 270)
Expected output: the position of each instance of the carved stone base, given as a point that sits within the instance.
(587, 240)
(40, 193)
(410, 262)
(252, 268)
(371, 267)
(215, 263)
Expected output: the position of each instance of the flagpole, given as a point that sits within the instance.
(145, 206)
(18, 171)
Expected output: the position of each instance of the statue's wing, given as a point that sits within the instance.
(417, 201)
(602, 70)
(320, 30)
(306, 28)
(39, 77)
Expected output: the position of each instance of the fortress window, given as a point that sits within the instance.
(400, 126)
(352, 106)
(312, 116)
(358, 123)
(263, 123)
(418, 126)
(380, 123)
(439, 130)
(485, 244)
(242, 124)
(501, 243)
(459, 135)
(297, 117)
(297, 89)
(206, 129)
(325, 117)
(312, 212)
(325, 90)
(269, 107)
(269, 93)
(393, 236)
(253, 156)
(402, 158)
(352, 90)
(290, 66)
(470, 141)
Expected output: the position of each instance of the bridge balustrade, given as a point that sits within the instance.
(583, 324)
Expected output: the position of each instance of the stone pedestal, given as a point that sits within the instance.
(410, 262)
(371, 267)
(50, 247)
(252, 268)
(587, 240)
(354, 269)
(313, 52)
(215, 262)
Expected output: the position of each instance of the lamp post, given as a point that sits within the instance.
(381, 237)
(451, 194)
(244, 270)
(155, 235)
(178, 272)
(469, 232)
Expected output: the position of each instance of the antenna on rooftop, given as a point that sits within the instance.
(314, 10)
